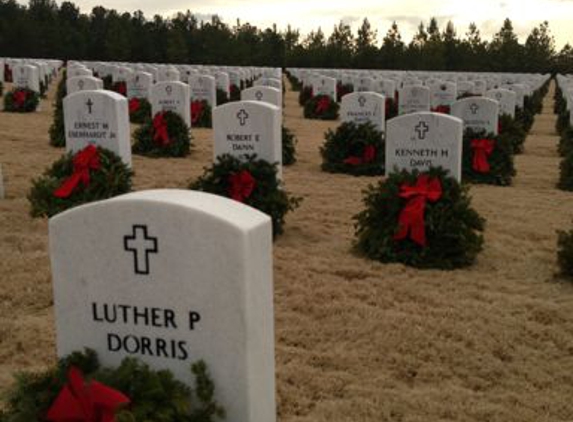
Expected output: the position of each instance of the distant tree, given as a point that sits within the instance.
(539, 48)
(340, 46)
(366, 49)
(506, 54)
(392, 51)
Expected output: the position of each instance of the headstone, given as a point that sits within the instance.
(223, 83)
(363, 84)
(77, 72)
(413, 99)
(424, 140)
(100, 118)
(443, 94)
(506, 100)
(203, 87)
(263, 93)
(26, 76)
(83, 83)
(478, 114)
(272, 82)
(324, 85)
(465, 88)
(139, 85)
(248, 127)
(362, 107)
(172, 96)
(386, 87)
(168, 74)
(136, 276)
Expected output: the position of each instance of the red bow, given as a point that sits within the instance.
(482, 149)
(20, 97)
(134, 105)
(241, 185)
(161, 136)
(411, 219)
(81, 402)
(322, 104)
(84, 161)
(368, 155)
(196, 111)
(121, 88)
(444, 109)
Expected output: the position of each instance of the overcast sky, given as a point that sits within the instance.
(308, 14)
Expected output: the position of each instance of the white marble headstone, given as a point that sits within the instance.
(136, 276)
(100, 118)
(203, 87)
(506, 99)
(362, 107)
(413, 98)
(324, 85)
(83, 83)
(26, 76)
(139, 85)
(423, 140)
(266, 94)
(172, 96)
(478, 114)
(443, 94)
(248, 127)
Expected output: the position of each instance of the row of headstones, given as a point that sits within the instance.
(30, 73)
(565, 83)
(198, 88)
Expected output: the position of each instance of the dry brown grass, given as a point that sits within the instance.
(355, 340)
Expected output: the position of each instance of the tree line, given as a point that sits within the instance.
(45, 30)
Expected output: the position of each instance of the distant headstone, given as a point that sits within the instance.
(506, 100)
(362, 107)
(324, 85)
(100, 118)
(248, 127)
(266, 94)
(423, 140)
(83, 83)
(26, 76)
(172, 96)
(478, 114)
(134, 276)
(203, 87)
(139, 85)
(168, 74)
(443, 94)
(413, 99)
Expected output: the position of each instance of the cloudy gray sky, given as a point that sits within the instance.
(307, 15)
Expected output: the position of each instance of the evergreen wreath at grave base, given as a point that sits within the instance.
(113, 178)
(289, 142)
(107, 83)
(21, 100)
(304, 95)
(139, 110)
(222, 97)
(205, 117)
(178, 145)
(321, 107)
(356, 149)
(153, 395)
(295, 84)
(342, 90)
(266, 195)
(235, 92)
(500, 160)
(1, 88)
(525, 117)
(565, 253)
(120, 88)
(57, 129)
(566, 173)
(452, 227)
(562, 123)
(391, 108)
(512, 131)
(565, 142)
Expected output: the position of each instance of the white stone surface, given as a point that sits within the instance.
(100, 118)
(424, 140)
(172, 96)
(362, 107)
(203, 87)
(83, 83)
(26, 76)
(139, 85)
(198, 270)
(506, 99)
(478, 113)
(265, 94)
(413, 99)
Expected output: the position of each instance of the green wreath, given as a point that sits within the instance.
(512, 131)
(201, 114)
(253, 182)
(497, 169)
(139, 110)
(222, 97)
(153, 395)
(235, 93)
(111, 178)
(289, 146)
(565, 253)
(295, 84)
(21, 100)
(566, 142)
(57, 129)
(321, 107)
(304, 95)
(566, 172)
(342, 90)
(166, 135)
(391, 108)
(356, 149)
(452, 238)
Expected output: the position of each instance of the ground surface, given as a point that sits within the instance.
(355, 340)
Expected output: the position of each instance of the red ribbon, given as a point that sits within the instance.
(322, 104)
(121, 88)
(84, 161)
(20, 97)
(482, 149)
(134, 105)
(368, 155)
(241, 185)
(81, 402)
(411, 219)
(444, 109)
(196, 111)
(161, 136)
